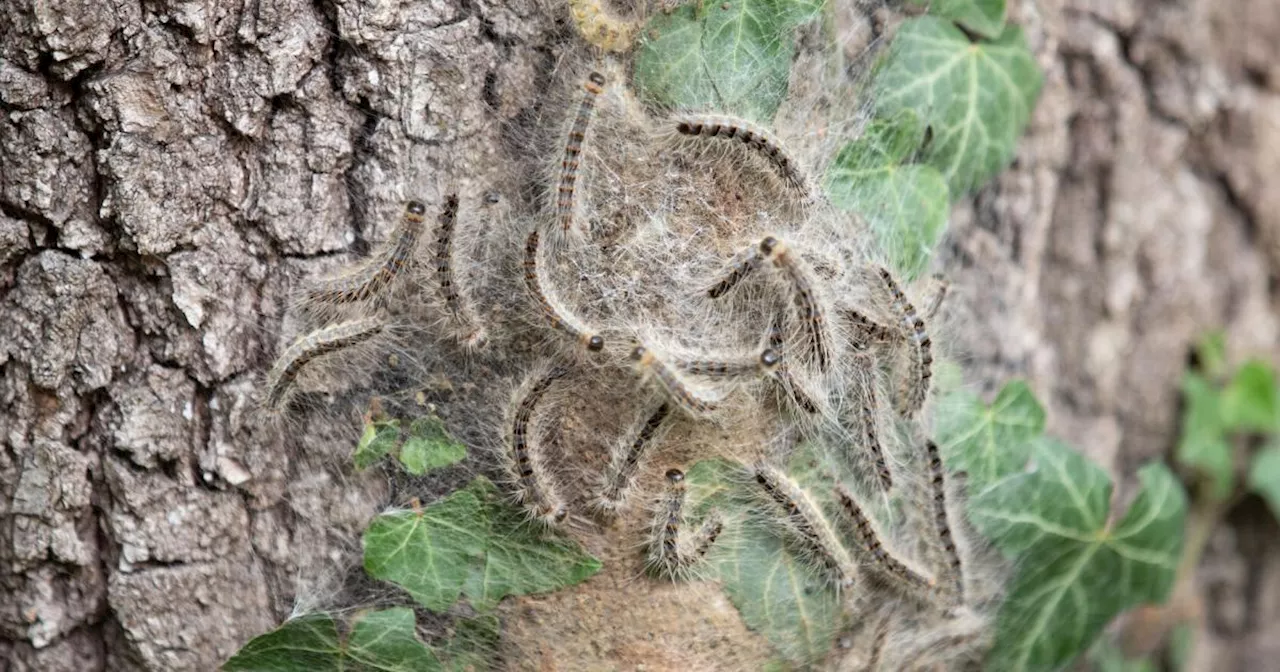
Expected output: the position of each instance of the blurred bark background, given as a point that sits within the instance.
(168, 167)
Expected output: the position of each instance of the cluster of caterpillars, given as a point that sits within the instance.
(823, 354)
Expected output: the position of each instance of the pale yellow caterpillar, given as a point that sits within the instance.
(318, 343)
(533, 485)
(375, 275)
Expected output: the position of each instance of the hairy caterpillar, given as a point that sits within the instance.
(749, 262)
(882, 559)
(768, 360)
(669, 554)
(556, 315)
(869, 410)
(757, 138)
(533, 485)
(625, 462)
(318, 343)
(938, 484)
(677, 390)
(566, 190)
(453, 300)
(804, 296)
(911, 395)
(375, 275)
(807, 519)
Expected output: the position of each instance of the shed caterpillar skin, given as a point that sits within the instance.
(533, 485)
(676, 389)
(318, 343)
(812, 314)
(869, 411)
(566, 190)
(373, 277)
(912, 394)
(910, 579)
(453, 299)
(938, 486)
(757, 138)
(767, 361)
(601, 30)
(625, 462)
(807, 519)
(555, 315)
(669, 554)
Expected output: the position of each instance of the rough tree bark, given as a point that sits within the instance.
(168, 167)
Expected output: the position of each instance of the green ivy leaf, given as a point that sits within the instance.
(984, 17)
(1107, 657)
(470, 542)
(379, 438)
(1076, 570)
(989, 442)
(774, 590)
(1203, 444)
(429, 447)
(1250, 401)
(1264, 475)
(906, 205)
(977, 97)
(379, 640)
(1211, 355)
(732, 57)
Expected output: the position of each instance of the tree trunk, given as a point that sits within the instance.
(168, 169)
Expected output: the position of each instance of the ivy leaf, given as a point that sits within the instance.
(1264, 475)
(1203, 444)
(1250, 401)
(429, 447)
(989, 442)
(906, 205)
(379, 438)
(470, 542)
(984, 17)
(379, 640)
(1077, 569)
(733, 58)
(1211, 355)
(775, 591)
(977, 97)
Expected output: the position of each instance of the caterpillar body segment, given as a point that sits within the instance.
(886, 563)
(755, 137)
(766, 362)
(600, 29)
(941, 520)
(806, 518)
(689, 400)
(913, 392)
(868, 409)
(785, 379)
(374, 276)
(455, 302)
(671, 555)
(567, 185)
(555, 314)
(748, 263)
(533, 485)
(619, 478)
(804, 295)
(866, 329)
(318, 343)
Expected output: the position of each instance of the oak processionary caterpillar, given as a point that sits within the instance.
(912, 394)
(669, 554)
(804, 296)
(756, 137)
(625, 462)
(869, 410)
(938, 484)
(864, 530)
(807, 519)
(675, 387)
(371, 278)
(555, 315)
(453, 299)
(533, 485)
(566, 190)
(318, 343)
(767, 361)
